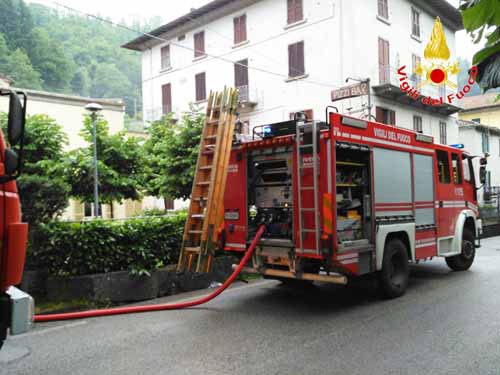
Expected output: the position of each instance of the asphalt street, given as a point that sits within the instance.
(447, 323)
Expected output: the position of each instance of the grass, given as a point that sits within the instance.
(45, 307)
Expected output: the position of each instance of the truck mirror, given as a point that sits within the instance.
(11, 162)
(482, 175)
(16, 120)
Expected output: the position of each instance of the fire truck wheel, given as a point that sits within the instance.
(393, 278)
(462, 262)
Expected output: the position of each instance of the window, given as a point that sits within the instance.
(383, 61)
(417, 124)
(478, 120)
(415, 23)
(466, 169)
(242, 127)
(296, 66)
(442, 132)
(415, 62)
(87, 209)
(240, 29)
(385, 116)
(295, 12)
(166, 98)
(443, 167)
(165, 57)
(456, 167)
(485, 138)
(199, 44)
(383, 9)
(201, 91)
(241, 80)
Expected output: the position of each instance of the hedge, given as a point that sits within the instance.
(137, 245)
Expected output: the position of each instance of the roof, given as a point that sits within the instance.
(110, 104)
(450, 16)
(483, 128)
(477, 102)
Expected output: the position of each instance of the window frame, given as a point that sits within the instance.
(415, 26)
(166, 57)
(443, 136)
(296, 68)
(200, 92)
(166, 107)
(384, 6)
(297, 14)
(446, 178)
(416, 125)
(485, 146)
(198, 38)
(458, 177)
(240, 29)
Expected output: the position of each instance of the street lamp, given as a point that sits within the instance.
(367, 81)
(94, 108)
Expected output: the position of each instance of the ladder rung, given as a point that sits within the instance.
(307, 188)
(208, 137)
(195, 232)
(205, 168)
(213, 122)
(192, 249)
(309, 230)
(203, 183)
(308, 209)
(199, 199)
(198, 216)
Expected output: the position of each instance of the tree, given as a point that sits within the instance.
(480, 16)
(172, 151)
(463, 76)
(19, 68)
(42, 189)
(120, 165)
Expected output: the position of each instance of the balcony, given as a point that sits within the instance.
(247, 97)
(388, 88)
(155, 114)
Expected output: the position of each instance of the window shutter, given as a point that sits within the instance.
(241, 73)
(392, 117)
(379, 115)
(291, 11)
(199, 44)
(236, 22)
(166, 94)
(298, 10)
(300, 58)
(291, 60)
(243, 28)
(200, 83)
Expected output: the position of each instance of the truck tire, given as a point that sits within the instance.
(463, 261)
(393, 278)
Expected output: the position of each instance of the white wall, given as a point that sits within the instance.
(341, 40)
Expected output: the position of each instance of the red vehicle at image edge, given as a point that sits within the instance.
(16, 307)
(347, 198)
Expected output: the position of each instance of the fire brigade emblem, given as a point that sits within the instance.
(437, 69)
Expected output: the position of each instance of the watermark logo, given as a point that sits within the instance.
(436, 70)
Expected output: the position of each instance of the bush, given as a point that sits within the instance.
(137, 246)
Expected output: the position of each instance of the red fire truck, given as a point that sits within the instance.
(16, 307)
(348, 197)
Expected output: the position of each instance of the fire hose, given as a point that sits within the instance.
(162, 307)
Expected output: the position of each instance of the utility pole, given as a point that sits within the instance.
(94, 108)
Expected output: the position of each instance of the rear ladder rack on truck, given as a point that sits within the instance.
(301, 148)
(206, 209)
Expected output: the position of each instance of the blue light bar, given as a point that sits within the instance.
(267, 130)
(458, 145)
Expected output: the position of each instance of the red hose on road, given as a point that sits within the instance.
(148, 308)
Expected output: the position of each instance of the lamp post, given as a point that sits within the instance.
(367, 81)
(94, 108)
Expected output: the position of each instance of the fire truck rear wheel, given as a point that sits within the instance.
(393, 278)
(463, 262)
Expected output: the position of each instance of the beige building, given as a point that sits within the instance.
(68, 111)
(482, 109)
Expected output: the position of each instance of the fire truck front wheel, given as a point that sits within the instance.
(463, 261)
(393, 278)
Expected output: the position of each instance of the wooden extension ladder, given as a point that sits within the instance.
(206, 210)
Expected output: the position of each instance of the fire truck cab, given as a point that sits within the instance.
(348, 197)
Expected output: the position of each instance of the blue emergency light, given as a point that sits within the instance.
(267, 130)
(458, 145)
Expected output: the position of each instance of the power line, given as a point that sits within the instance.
(90, 15)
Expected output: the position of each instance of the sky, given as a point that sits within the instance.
(171, 9)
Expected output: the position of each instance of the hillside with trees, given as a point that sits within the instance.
(43, 48)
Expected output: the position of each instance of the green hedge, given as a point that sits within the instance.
(137, 246)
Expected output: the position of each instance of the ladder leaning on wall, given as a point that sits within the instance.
(206, 209)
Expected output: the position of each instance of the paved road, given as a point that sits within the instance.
(447, 323)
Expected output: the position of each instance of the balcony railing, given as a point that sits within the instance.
(247, 96)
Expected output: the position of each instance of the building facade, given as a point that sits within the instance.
(481, 139)
(69, 111)
(482, 109)
(288, 55)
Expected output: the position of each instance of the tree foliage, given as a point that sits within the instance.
(42, 48)
(172, 150)
(44, 193)
(480, 17)
(120, 165)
